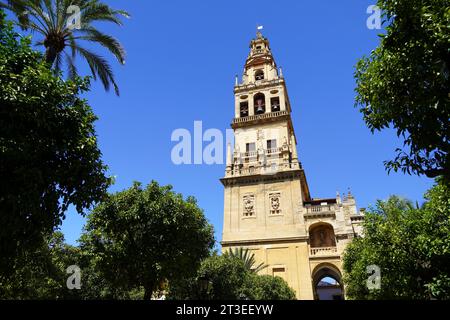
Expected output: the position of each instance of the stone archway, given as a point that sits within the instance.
(326, 290)
(322, 235)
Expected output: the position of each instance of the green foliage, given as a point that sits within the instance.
(248, 258)
(410, 245)
(48, 149)
(142, 237)
(405, 84)
(227, 277)
(166, 228)
(62, 39)
(41, 274)
(230, 278)
(267, 287)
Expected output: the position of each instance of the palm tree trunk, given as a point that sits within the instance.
(50, 55)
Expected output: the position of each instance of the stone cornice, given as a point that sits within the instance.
(257, 178)
(263, 241)
(357, 218)
(258, 85)
(320, 215)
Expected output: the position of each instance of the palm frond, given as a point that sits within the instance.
(94, 11)
(71, 68)
(108, 42)
(19, 9)
(72, 45)
(58, 62)
(248, 258)
(50, 19)
(50, 13)
(99, 67)
(33, 11)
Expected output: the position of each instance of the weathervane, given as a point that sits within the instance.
(258, 30)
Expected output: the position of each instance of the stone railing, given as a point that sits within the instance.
(259, 170)
(324, 251)
(322, 208)
(274, 150)
(254, 154)
(260, 117)
(250, 154)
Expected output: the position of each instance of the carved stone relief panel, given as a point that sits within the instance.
(275, 203)
(249, 205)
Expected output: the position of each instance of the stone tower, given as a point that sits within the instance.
(267, 204)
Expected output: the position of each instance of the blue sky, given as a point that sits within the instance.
(182, 57)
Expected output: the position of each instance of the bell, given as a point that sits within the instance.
(260, 109)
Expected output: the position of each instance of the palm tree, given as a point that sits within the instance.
(248, 259)
(63, 24)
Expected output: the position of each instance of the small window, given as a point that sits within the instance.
(250, 155)
(275, 104)
(259, 75)
(244, 109)
(250, 147)
(271, 145)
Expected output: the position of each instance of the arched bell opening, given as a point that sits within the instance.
(260, 103)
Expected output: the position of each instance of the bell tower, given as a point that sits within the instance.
(265, 140)
(265, 184)
(267, 204)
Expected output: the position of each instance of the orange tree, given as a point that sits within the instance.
(49, 157)
(404, 84)
(144, 236)
(410, 245)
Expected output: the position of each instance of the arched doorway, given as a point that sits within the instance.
(327, 283)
